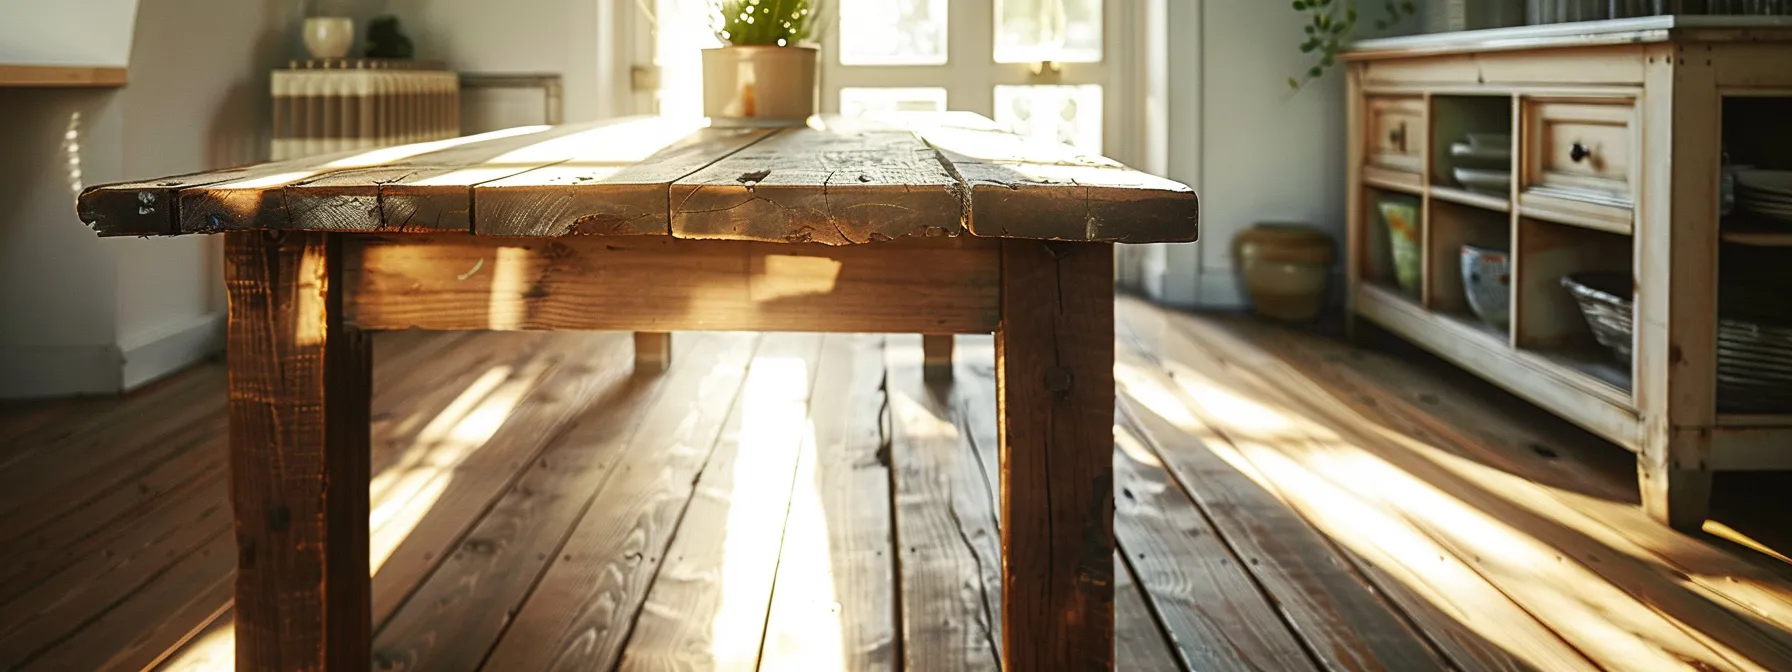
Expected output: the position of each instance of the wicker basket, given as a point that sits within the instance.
(1754, 345)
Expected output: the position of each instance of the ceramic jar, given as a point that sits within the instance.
(1285, 268)
(759, 85)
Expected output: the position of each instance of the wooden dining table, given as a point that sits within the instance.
(938, 224)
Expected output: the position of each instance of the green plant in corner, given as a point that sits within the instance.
(783, 23)
(1331, 24)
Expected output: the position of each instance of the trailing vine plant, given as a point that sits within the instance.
(1333, 23)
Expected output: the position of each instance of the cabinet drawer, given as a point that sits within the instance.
(1580, 148)
(1395, 135)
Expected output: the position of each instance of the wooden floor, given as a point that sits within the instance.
(800, 502)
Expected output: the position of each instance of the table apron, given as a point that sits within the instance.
(457, 282)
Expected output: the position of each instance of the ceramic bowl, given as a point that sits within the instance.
(1487, 280)
(329, 36)
(1401, 215)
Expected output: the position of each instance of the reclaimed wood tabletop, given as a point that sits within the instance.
(837, 181)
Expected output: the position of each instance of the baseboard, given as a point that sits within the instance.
(35, 371)
(170, 349)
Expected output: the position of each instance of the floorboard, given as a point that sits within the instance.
(1330, 606)
(456, 616)
(707, 608)
(806, 502)
(948, 570)
(834, 602)
(581, 613)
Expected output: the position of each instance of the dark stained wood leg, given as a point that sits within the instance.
(1055, 401)
(300, 384)
(936, 356)
(653, 351)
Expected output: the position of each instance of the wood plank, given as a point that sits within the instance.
(1226, 489)
(300, 387)
(616, 186)
(1022, 189)
(77, 461)
(426, 510)
(579, 614)
(170, 606)
(1055, 395)
(454, 618)
(1325, 602)
(834, 601)
(1553, 470)
(452, 283)
(1214, 611)
(1393, 551)
(61, 76)
(153, 207)
(434, 191)
(426, 191)
(63, 539)
(1138, 643)
(41, 617)
(945, 519)
(210, 649)
(707, 607)
(1582, 590)
(841, 182)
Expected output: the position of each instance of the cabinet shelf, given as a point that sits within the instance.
(1470, 198)
(1391, 181)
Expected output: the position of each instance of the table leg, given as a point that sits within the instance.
(936, 356)
(300, 385)
(653, 351)
(1055, 400)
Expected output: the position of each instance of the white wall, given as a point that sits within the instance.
(1254, 149)
(575, 38)
(84, 315)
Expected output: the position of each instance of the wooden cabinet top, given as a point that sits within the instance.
(1581, 34)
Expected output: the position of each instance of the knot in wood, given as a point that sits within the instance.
(1058, 380)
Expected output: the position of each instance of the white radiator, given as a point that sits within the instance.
(333, 105)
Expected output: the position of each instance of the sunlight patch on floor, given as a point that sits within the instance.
(774, 418)
(1587, 609)
(408, 490)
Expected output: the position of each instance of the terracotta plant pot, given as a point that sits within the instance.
(1285, 268)
(759, 85)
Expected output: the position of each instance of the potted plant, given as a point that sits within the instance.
(764, 75)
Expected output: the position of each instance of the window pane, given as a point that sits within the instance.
(1067, 114)
(893, 32)
(859, 101)
(1066, 31)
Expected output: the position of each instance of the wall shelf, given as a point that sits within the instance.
(60, 76)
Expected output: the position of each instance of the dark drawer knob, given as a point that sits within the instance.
(1579, 153)
(1397, 137)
